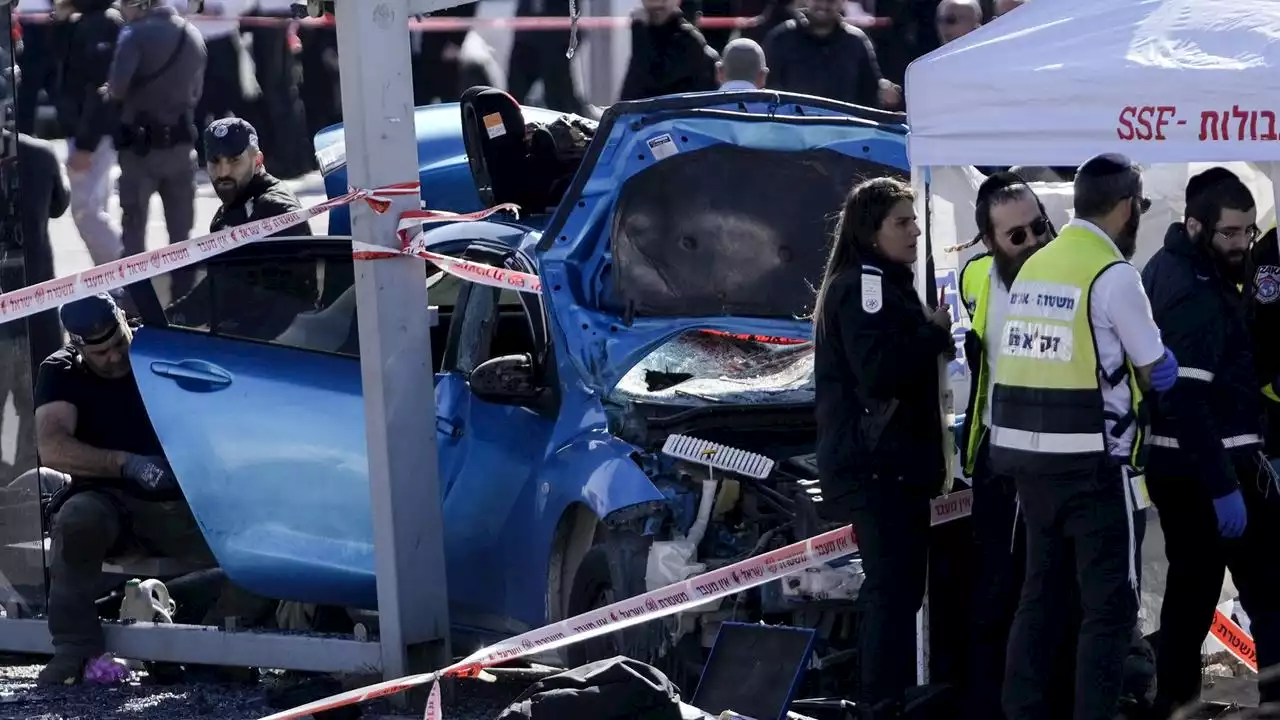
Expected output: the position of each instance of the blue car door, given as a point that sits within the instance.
(491, 498)
(252, 381)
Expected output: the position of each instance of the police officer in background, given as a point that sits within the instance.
(157, 76)
(1217, 496)
(1263, 300)
(1078, 347)
(1012, 224)
(89, 121)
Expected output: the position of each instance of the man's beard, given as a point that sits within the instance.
(1007, 266)
(1233, 272)
(227, 191)
(1127, 240)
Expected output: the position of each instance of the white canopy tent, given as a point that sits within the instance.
(1176, 85)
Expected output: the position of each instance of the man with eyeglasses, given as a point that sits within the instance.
(1078, 348)
(1217, 496)
(957, 18)
(1012, 224)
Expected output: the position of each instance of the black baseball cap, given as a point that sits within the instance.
(228, 137)
(91, 320)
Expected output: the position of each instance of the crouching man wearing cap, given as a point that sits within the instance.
(91, 424)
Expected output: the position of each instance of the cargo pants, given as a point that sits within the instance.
(171, 172)
(88, 526)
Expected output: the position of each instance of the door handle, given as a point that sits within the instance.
(192, 371)
(449, 427)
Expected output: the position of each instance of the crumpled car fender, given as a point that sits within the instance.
(596, 470)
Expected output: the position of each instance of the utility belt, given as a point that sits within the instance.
(141, 137)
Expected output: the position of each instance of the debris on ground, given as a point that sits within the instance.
(22, 699)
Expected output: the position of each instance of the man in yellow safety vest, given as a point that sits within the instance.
(1077, 348)
(1012, 224)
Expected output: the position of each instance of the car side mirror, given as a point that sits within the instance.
(508, 380)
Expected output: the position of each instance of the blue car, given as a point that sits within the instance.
(677, 241)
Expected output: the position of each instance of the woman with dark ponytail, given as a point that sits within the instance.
(879, 424)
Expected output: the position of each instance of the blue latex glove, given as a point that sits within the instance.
(1165, 372)
(1231, 515)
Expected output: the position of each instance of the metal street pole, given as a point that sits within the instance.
(395, 341)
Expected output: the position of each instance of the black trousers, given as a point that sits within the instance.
(540, 55)
(891, 520)
(1197, 557)
(1079, 528)
(1000, 546)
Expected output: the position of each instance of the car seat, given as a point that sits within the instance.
(493, 132)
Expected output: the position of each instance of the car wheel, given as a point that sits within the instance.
(614, 570)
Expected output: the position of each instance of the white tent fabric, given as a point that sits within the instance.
(1057, 81)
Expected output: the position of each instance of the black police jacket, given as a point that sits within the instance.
(264, 197)
(668, 59)
(840, 66)
(87, 46)
(1263, 299)
(876, 368)
(1213, 412)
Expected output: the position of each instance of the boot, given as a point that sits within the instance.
(62, 670)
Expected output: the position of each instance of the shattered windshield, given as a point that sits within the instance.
(697, 367)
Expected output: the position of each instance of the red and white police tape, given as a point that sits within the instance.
(51, 294)
(674, 598)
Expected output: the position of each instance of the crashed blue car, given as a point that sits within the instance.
(677, 242)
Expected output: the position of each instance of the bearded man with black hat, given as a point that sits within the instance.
(1217, 495)
(237, 169)
(91, 424)
(1012, 225)
(1078, 348)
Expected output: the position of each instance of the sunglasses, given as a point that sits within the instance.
(1144, 204)
(1038, 228)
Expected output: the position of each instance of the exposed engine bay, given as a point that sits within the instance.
(725, 503)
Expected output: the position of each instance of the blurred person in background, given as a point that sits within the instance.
(880, 459)
(540, 55)
(668, 54)
(321, 90)
(742, 67)
(89, 121)
(957, 18)
(820, 54)
(280, 108)
(1000, 7)
(437, 76)
(39, 59)
(156, 77)
(222, 92)
(769, 14)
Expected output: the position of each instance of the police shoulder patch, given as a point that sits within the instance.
(872, 290)
(1266, 284)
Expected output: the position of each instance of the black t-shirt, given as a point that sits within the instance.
(110, 412)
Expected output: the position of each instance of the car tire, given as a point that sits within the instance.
(613, 570)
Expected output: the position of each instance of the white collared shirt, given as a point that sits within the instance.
(997, 308)
(738, 85)
(1122, 326)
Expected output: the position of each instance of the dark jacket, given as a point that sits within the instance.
(1213, 414)
(1263, 300)
(876, 359)
(233, 298)
(88, 46)
(840, 66)
(264, 197)
(668, 59)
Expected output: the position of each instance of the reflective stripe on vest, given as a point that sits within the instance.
(1230, 443)
(1047, 404)
(975, 289)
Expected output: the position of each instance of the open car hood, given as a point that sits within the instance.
(709, 210)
